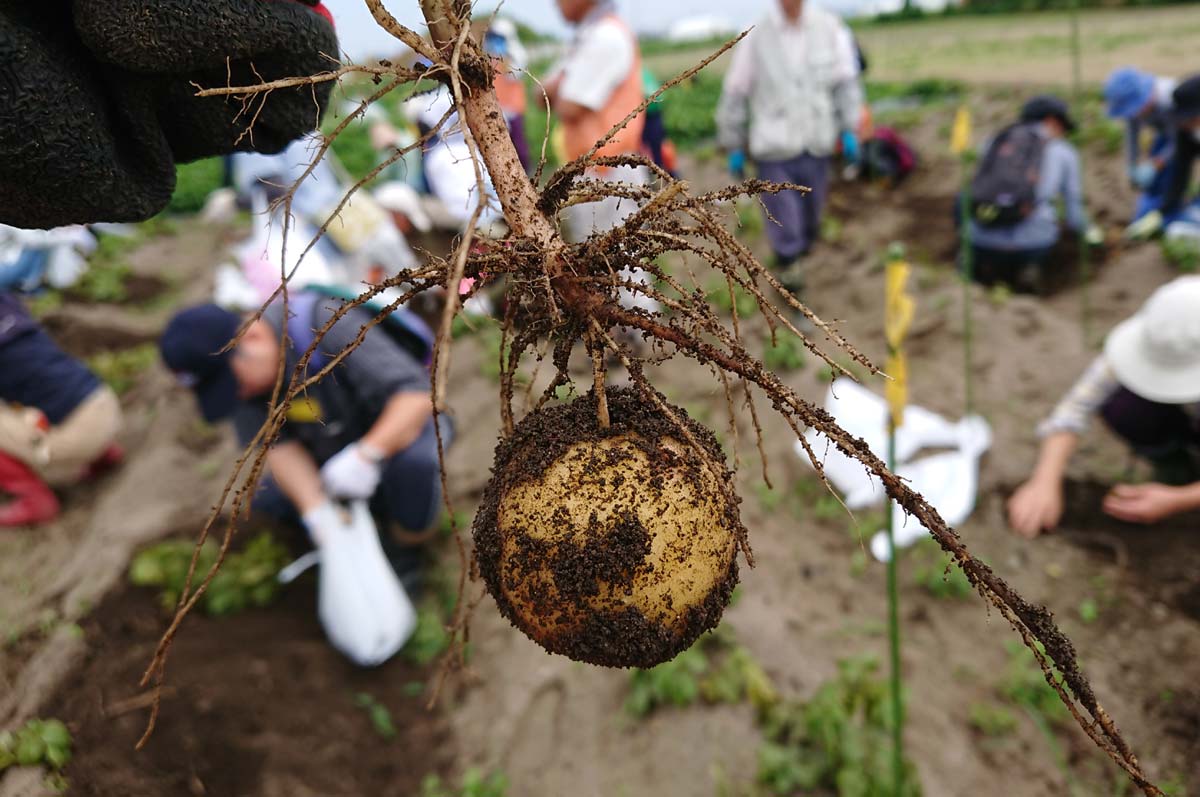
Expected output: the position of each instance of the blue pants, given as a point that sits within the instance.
(1152, 198)
(794, 219)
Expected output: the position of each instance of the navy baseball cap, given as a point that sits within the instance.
(192, 348)
(1047, 106)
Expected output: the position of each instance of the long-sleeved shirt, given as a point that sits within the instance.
(1059, 178)
(792, 88)
(1085, 398)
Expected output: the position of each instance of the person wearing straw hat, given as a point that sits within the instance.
(1146, 387)
(1144, 102)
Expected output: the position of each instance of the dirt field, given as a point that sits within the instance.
(259, 705)
(1030, 49)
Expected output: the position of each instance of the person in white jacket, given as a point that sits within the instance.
(791, 95)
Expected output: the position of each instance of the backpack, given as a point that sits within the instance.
(403, 325)
(1004, 189)
(887, 156)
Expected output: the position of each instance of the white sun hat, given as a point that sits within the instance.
(1156, 353)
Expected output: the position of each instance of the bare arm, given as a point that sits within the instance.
(1037, 505)
(296, 473)
(400, 423)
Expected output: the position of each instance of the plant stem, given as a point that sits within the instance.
(967, 265)
(894, 634)
(1085, 266)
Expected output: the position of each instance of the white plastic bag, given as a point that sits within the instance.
(949, 480)
(362, 606)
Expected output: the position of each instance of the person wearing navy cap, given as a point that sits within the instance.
(1144, 102)
(364, 432)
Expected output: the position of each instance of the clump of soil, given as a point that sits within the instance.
(612, 546)
(257, 703)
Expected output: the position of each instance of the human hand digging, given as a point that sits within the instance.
(1145, 503)
(1035, 507)
(98, 97)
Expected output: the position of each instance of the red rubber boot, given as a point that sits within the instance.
(31, 501)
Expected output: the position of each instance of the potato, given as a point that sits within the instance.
(611, 546)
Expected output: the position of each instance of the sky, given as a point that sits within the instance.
(362, 37)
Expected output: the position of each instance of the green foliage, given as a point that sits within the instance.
(121, 370)
(430, 639)
(1104, 134)
(39, 743)
(247, 578)
(44, 303)
(935, 572)
(353, 150)
(926, 90)
(715, 669)
(107, 272)
(689, 110)
(1089, 610)
(837, 742)
(992, 720)
(718, 296)
(786, 353)
(672, 683)
(1182, 253)
(474, 784)
(1025, 685)
(193, 183)
(749, 219)
(379, 715)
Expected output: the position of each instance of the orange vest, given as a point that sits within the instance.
(580, 136)
(510, 91)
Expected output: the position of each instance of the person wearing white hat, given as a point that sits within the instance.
(1146, 387)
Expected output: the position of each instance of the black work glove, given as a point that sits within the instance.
(97, 102)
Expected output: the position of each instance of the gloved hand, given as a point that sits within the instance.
(1146, 227)
(1094, 236)
(850, 149)
(324, 523)
(737, 164)
(1143, 174)
(97, 102)
(353, 472)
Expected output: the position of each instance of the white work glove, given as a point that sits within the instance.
(353, 472)
(1146, 227)
(1094, 235)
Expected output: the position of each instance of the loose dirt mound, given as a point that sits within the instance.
(258, 704)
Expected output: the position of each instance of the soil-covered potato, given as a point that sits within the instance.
(612, 546)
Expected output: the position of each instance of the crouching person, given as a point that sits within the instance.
(58, 421)
(365, 432)
(1026, 171)
(1146, 387)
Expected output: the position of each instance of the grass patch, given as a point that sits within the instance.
(714, 670)
(122, 370)
(838, 742)
(474, 784)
